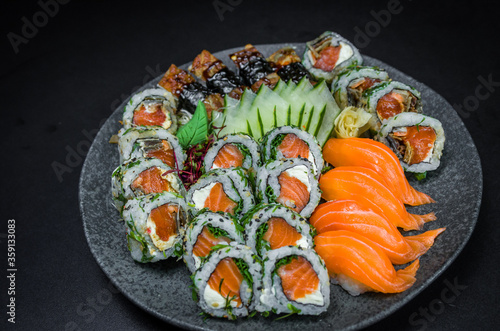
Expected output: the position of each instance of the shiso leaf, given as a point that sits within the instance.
(196, 130)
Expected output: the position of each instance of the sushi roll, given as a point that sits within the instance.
(207, 230)
(228, 283)
(291, 142)
(188, 91)
(417, 140)
(388, 99)
(329, 54)
(269, 227)
(151, 107)
(254, 68)
(350, 84)
(288, 65)
(217, 75)
(295, 281)
(225, 190)
(290, 182)
(155, 226)
(151, 142)
(233, 150)
(138, 177)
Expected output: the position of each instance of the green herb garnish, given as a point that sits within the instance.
(196, 130)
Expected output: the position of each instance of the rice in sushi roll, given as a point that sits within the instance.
(350, 84)
(151, 142)
(328, 54)
(269, 227)
(291, 142)
(225, 190)
(139, 177)
(228, 283)
(151, 107)
(417, 140)
(233, 150)
(285, 287)
(155, 226)
(290, 182)
(207, 230)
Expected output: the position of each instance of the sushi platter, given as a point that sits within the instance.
(236, 205)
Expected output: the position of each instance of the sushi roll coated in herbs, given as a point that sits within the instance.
(151, 142)
(417, 140)
(290, 182)
(254, 68)
(273, 226)
(288, 65)
(139, 177)
(151, 107)
(228, 283)
(206, 231)
(295, 281)
(233, 150)
(225, 190)
(217, 75)
(328, 54)
(388, 99)
(288, 142)
(350, 84)
(155, 226)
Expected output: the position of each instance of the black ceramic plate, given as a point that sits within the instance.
(163, 288)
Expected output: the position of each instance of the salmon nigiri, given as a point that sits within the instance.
(354, 216)
(372, 154)
(363, 184)
(359, 265)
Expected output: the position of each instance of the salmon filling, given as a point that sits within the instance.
(162, 225)
(292, 147)
(293, 193)
(298, 278)
(416, 143)
(218, 200)
(226, 280)
(160, 150)
(280, 233)
(151, 181)
(229, 156)
(328, 58)
(394, 103)
(150, 114)
(206, 240)
(365, 84)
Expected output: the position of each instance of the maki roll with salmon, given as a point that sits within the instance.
(151, 142)
(224, 190)
(289, 182)
(155, 226)
(233, 150)
(350, 84)
(217, 76)
(206, 231)
(288, 65)
(228, 283)
(254, 68)
(288, 142)
(295, 281)
(389, 99)
(417, 140)
(329, 54)
(138, 177)
(151, 107)
(269, 227)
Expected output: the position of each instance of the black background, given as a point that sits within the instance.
(69, 76)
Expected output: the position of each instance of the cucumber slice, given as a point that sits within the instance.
(322, 123)
(280, 86)
(297, 101)
(235, 116)
(268, 110)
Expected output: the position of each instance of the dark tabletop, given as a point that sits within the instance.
(65, 66)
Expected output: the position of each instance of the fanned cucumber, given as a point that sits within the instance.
(268, 109)
(323, 122)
